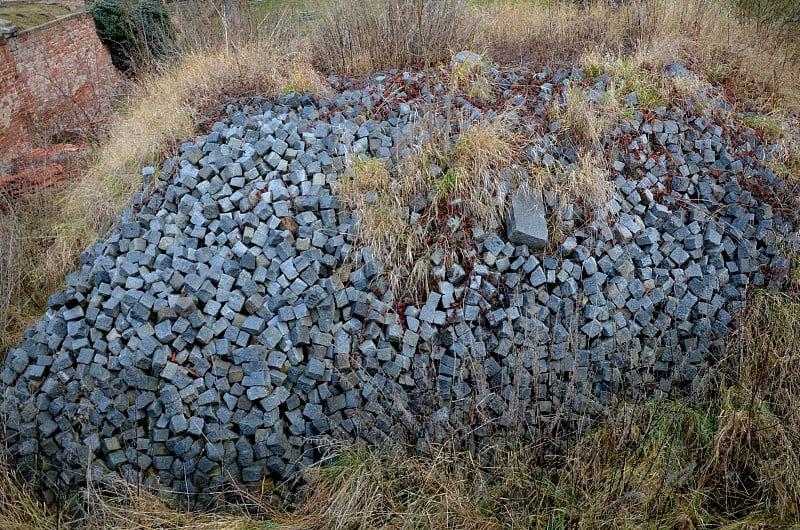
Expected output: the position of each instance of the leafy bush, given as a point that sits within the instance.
(138, 32)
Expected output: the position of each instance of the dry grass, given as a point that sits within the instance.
(708, 37)
(383, 215)
(730, 461)
(637, 471)
(360, 37)
(234, 25)
(586, 121)
(394, 489)
(27, 233)
(476, 158)
(457, 178)
(470, 77)
(586, 183)
(20, 506)
(122, 506)
(756, 458)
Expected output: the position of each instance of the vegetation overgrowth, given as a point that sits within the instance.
(729, 458)
(136, 33)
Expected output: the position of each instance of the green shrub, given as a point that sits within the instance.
(138, 32)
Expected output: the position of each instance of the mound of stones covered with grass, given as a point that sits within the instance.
(231, 328)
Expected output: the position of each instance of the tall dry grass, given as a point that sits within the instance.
(11, 271)
(359, 37)
(236, 24)
(756, 457)
(705, 35)
(33, 261)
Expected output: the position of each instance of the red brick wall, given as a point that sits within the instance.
(10, 98)
(53, 77)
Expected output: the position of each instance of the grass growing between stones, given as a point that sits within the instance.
(583, 125)
(728, 460)
(448, 184)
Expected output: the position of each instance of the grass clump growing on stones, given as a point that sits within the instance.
(427, 205)
(652, 476)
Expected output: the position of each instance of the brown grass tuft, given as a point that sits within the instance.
(456, 178)
(394, 489)
(584, 126)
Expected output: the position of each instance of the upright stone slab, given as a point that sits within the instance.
(526, 223)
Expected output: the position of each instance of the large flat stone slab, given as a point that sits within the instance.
(526, 223)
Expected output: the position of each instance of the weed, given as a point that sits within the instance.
(445, 186)
(470, 77)
(587, 182)
(764, 124)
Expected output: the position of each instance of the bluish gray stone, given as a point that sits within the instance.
(526, 224)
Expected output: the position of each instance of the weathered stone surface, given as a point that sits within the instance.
(526, 224)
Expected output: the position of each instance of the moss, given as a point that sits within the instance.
(25, 15)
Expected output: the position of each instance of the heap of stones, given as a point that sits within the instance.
(213, 339)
